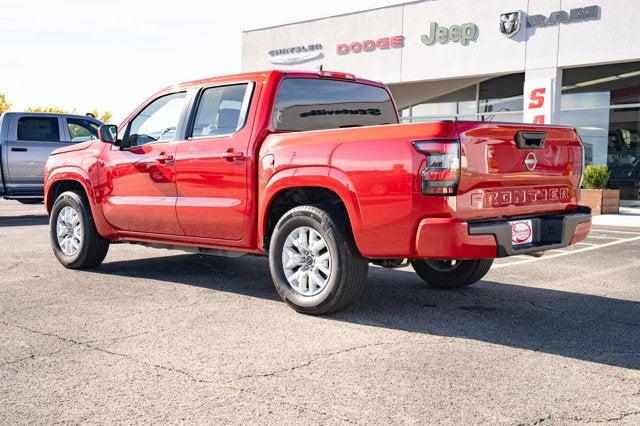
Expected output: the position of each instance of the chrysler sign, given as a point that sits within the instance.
(512, 22)
(296, 55)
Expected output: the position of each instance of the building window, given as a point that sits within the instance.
(496, 99)
(603, 103)
(501, 97)
(459, 102)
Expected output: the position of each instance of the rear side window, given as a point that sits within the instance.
(220, 111)
(38, 129)
(315, 104)
(81, 130)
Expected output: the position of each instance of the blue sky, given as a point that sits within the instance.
(113, 54)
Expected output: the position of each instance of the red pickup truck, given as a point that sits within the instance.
(315, 171)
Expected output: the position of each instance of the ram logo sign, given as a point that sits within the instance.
(512, 23)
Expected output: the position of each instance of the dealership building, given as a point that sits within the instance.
(570, 62)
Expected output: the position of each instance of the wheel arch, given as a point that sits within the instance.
(64, 180)
(310, 185)
(70, 179)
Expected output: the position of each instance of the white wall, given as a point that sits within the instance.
(614, 37)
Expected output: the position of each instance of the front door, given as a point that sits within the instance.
(211, 166)
(140, 188)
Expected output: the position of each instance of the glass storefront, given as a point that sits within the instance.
(500, 99)
(603, 103)
(496, 99)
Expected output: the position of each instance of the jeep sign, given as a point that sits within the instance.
(462, 34)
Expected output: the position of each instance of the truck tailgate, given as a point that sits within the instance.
(512, 170)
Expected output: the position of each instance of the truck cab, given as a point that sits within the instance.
(27, 139)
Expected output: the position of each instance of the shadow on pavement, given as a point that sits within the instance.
(23, 220)
(581, 326)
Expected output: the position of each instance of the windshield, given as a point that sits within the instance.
(315, 104)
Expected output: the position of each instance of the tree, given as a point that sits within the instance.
(51, 109)
(5, 105)
(104, 116)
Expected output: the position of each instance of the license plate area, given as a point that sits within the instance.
(521, 232)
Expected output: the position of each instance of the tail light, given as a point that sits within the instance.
(338, 75)
(441, 174)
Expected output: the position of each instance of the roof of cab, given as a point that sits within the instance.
(51, 114)
(253, 75)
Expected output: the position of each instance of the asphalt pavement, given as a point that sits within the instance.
(159, 336)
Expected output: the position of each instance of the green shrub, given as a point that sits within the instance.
(595, 177)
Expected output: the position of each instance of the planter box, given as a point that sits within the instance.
(601, 201)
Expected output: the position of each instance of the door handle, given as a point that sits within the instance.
(163, 158)
(530, 140)
(232, 155)
(19, 149)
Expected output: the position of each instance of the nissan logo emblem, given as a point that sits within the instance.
(530, 161)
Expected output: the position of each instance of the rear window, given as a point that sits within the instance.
(315, 104)
(38, 129)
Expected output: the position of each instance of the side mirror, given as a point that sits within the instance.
(108, 133)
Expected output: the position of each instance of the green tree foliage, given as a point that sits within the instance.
(104, 116)
(50, 109)
(595, 177)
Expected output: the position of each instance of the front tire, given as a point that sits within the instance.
(315, 265)
(450, 274)
(74, 238)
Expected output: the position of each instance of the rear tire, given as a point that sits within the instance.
(74, 238)
(315, 265)
(450, 274)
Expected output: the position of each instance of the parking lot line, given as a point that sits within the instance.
(587, 244)
(605, 237)
(567, 253)
(616, 232)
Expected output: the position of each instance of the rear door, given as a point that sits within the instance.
(31, 140)
(212, 168)
(517, 169)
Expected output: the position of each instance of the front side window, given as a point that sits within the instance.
(315, 104)
(43, 129)
(157, 122)
(220, 111)
(81, 130)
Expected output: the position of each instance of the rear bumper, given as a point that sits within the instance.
(446, 238)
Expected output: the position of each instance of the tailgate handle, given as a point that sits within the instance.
(530, 140)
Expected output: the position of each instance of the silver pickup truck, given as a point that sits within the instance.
(27, 139)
